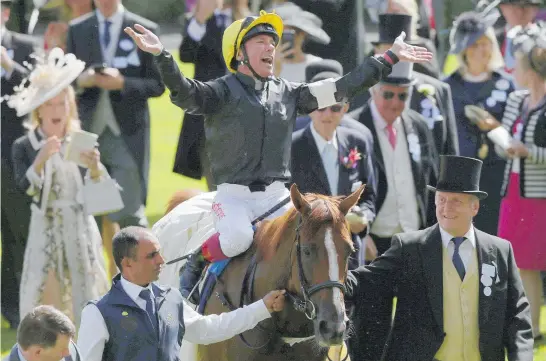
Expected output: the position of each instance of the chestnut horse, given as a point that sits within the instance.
(306, 252)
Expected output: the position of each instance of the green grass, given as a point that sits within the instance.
(165, 128)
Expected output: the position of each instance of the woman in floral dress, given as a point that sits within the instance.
(63, 264)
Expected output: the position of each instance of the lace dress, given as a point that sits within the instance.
(64, 265)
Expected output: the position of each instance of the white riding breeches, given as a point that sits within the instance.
(235, 207)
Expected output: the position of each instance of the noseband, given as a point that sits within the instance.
(306, 305)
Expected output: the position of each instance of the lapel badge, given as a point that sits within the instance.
(125, 313)
(169, 319)
(488, 273)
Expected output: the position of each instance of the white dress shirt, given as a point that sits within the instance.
(116, 21)
(466, 249)
(199, 329)
(332, 170)
(400, 210)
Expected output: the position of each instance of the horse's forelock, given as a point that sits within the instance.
(324, 210)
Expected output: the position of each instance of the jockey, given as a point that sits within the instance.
(249, 117)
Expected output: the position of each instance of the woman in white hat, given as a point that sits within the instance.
(63, 264)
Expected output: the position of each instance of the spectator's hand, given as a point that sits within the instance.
(274, 300)
(281, 55)
(109, 79)
(145, 39)
(204, 10)
(92, 160)
(51, 146)
(7, 63)
(87, 79)
(406, 52)
(55, 35)
(517, 150)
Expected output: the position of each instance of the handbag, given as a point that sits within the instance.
(102, 197)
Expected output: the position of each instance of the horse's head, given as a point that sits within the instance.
(324, 246)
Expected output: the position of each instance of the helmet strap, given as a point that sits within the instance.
(246, 61)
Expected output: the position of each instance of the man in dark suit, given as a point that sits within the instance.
(460, 296)
(406, 161)
(322, 162)
(202, 46)
(45, 334)
(430, 97)
(15, 52)
(113, 100)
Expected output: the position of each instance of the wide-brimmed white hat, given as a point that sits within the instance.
(47, 79)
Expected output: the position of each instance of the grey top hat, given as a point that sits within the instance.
(294, 16)
(469, 27)
(401, 75)
(323, 69)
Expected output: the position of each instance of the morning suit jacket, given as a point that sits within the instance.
(130, 104)
(19, 48)
(425, 169)
(310, 176)
(441, 121)
(413, 265)
(74, 353)
(206, 55)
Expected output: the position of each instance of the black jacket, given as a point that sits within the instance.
(207, 57)
(12, 126)
(413, 265)
(249, 131)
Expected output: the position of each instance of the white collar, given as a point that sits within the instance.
(320, 141)
(470, 235)
(4, 30)
(115, 18)
(21, 357)
(379, 122)
(133, 290)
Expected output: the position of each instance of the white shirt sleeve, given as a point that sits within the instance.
(196, 31)
(93, 334)
(209, 329)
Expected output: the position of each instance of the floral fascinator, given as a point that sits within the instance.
(48, 77)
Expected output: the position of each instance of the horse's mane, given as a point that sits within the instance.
(324, 209)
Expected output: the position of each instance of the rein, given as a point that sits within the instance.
(301, 304)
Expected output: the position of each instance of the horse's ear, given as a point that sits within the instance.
(349, 202)
(301, 205)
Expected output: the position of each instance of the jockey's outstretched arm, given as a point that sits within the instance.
(328, 92)
(193, 96)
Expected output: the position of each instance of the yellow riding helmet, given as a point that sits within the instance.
(266, 23)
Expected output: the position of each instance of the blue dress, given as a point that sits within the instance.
(491, 95)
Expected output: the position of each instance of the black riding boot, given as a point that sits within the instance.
(190, 276)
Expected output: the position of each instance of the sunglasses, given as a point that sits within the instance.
(388, 95)
(334, 108)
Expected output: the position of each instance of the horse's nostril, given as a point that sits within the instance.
(323, 328)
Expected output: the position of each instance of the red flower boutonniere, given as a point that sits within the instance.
(350, 161)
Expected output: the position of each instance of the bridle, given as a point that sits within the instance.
(306, 305)
(301, 303)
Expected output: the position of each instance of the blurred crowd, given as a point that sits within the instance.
(489, 72)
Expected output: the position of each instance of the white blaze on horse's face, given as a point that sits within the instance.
(333, 265)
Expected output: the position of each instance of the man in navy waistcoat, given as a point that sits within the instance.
(139, 320)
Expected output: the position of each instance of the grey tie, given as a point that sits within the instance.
(457, 260)
(331, 165)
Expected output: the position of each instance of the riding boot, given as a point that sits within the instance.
(190, 276)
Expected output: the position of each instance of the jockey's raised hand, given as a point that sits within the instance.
(145, 39)
(406, 52)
